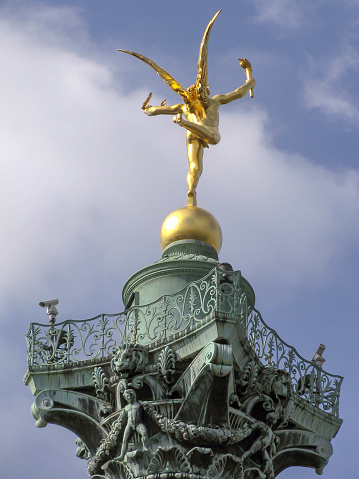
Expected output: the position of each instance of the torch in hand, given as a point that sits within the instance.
(248, 68)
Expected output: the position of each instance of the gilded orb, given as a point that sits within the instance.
(191, 222)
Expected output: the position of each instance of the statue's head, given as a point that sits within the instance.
(192, 92)
(130, 395)
(271, 418)
(82, 450)
(196, 105)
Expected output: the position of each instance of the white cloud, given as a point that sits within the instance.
(72, 183)
(87, 174)
(286, 214)
(285, 13)
(330, 87)
(322, 94)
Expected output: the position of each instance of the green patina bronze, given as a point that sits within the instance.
(192, 383)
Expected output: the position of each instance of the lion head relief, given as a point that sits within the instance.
(129, 359)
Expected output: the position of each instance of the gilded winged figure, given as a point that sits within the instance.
(199, 114)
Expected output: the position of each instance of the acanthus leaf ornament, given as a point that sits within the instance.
(166, 364)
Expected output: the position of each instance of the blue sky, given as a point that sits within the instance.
(87, 179)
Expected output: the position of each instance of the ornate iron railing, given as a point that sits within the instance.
(219, 291)
(72, 341)
(174, 313)
(309, 381)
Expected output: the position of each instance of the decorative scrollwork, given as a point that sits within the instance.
(219, 291)
(305, 377)
(72, 341)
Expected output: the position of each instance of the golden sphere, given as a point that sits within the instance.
(191, 222)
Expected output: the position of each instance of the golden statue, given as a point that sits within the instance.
(200, 111)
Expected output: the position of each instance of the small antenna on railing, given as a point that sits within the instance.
(51, 309)
(318, 358)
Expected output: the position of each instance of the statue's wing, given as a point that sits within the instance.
(171, 82)
(202, 66)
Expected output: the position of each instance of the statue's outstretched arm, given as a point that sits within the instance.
(163, 110)
(236, 94)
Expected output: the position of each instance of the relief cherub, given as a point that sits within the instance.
(199, 114)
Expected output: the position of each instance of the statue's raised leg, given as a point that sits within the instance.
(207, 135)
